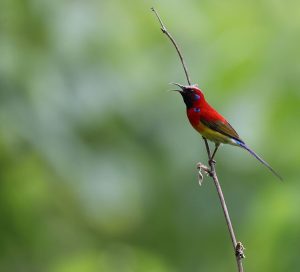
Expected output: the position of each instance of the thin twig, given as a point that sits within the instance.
(165, 31)
(237, 246)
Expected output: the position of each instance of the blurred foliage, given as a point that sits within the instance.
(98, 160)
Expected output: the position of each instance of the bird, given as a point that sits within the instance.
(211, 124)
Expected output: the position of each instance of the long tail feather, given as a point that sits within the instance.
(243, 145)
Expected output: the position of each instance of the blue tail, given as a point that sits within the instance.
(243, 145)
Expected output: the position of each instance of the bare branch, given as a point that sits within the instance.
(237, 247)
(165, 31)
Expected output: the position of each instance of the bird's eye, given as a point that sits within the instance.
(196, 110)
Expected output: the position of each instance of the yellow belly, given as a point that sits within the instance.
(212, 135)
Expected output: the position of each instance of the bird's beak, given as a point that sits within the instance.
(179, 85)
(179, 91)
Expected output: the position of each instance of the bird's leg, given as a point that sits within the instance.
(214, 153)
(207, 147)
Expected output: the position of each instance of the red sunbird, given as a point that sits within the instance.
(212, 125)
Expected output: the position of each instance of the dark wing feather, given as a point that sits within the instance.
(221, 127)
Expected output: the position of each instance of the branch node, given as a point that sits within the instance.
(239, 250)
(163, 30)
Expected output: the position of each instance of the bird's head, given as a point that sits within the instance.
(191, 95)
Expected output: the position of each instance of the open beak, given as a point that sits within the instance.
(181, 87)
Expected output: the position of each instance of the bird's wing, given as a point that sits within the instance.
(221, 127)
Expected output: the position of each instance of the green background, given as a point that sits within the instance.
(98, 159)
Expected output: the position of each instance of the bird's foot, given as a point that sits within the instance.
(212, 161)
